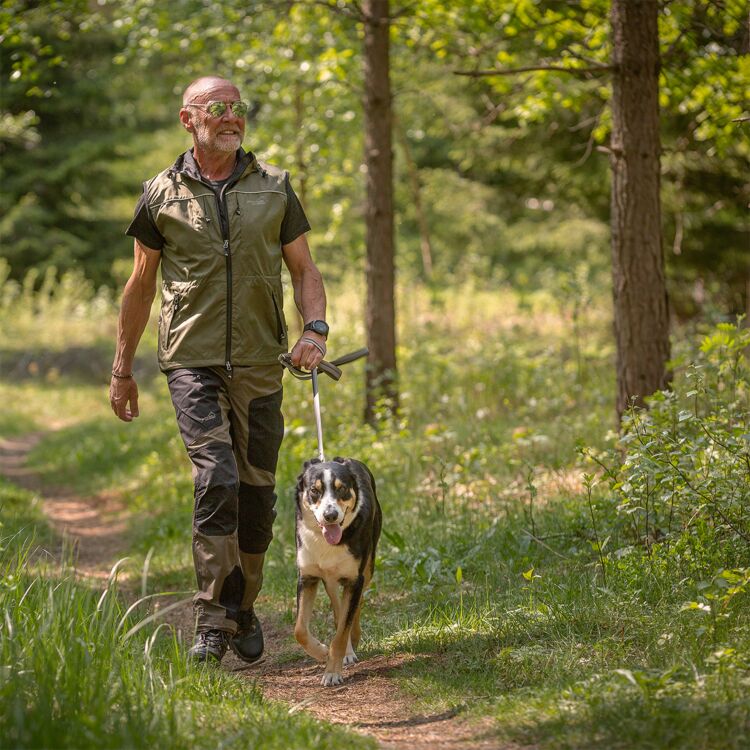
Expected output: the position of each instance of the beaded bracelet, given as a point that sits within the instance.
(121, 377)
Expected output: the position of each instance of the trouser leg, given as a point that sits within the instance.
(258, 428)
(202, 407)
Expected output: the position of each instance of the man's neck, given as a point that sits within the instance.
(215, 165)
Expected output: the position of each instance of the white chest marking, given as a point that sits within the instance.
(315, 557)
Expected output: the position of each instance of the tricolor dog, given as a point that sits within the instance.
(338, 527)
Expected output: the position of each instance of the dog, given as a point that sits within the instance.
(338, 526)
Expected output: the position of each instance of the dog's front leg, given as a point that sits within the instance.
(350, 596)
(332, 589)
(307, 587)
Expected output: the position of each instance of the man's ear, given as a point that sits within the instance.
(186, 120)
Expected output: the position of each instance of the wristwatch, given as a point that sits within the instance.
(317, 326)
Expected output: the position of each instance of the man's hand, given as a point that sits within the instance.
(124, 391)
(305, 353)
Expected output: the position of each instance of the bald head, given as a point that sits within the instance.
(202, 85)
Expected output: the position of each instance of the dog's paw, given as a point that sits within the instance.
(332, 678)
(319, 652)
(350, 659)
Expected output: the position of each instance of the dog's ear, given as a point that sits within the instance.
(301, 477)
(300, 484)
(340, 460)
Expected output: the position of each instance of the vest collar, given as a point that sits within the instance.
(186, 164)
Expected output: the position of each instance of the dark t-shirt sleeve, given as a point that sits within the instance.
(295, 222)
(143, 228)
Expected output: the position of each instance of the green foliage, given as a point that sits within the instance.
(686, 467)
(507, 165)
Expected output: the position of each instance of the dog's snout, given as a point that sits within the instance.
(331, 514)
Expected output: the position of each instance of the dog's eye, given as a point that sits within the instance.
(313, 493)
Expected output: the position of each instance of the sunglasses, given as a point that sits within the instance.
(217, 109)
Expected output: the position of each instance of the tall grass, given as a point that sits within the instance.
(78, 671)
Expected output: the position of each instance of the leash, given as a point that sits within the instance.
(329, 368)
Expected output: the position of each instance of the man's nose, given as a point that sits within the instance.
(229, 115)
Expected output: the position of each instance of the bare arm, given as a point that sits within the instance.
(139, 293)
(310, 298)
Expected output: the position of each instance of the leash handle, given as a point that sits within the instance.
(347, 358)
(316, 408)
(328, 368)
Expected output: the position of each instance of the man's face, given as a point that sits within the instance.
(223, 133)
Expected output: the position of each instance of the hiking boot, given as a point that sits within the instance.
(209, 645)
(247, 642)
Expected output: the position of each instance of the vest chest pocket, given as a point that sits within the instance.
(189, 224)
(255, 220)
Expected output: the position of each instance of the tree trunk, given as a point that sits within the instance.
(379, 267)
(641, 313)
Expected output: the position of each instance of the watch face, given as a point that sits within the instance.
(319, 326)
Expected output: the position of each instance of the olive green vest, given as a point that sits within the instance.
(221, 288)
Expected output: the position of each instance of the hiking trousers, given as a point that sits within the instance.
(232, 429)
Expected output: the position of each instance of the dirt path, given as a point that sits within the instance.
(368, 702)
(94, 525)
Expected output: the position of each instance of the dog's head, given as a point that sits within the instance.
(328, 491)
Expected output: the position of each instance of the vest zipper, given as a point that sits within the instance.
(228, 350)
(224, 221)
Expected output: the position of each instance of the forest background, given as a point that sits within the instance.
(504, 316)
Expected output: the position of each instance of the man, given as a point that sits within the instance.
(219, 222)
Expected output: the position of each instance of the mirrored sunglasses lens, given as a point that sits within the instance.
(239, 108)
(216, 109)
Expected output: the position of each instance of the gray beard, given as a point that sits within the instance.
(224, 144)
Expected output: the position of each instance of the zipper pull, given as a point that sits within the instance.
(228, 365)
(226, 250)
(176, 302)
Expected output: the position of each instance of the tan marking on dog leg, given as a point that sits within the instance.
(332, 589)
(335, 662)
(309, 642)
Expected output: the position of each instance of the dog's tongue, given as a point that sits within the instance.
(332, 533)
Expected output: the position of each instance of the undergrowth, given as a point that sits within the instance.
(584, 587)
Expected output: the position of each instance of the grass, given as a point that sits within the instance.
(489, 572)
(73, 676)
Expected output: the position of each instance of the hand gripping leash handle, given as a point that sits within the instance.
(329, 368)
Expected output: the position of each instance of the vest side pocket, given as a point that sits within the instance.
(173, 309)
(281, 330)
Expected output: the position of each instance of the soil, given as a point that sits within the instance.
(369, 702)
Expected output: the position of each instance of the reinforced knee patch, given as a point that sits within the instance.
(216, 483)
(255, 515)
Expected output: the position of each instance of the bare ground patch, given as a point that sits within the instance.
(95, 526)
